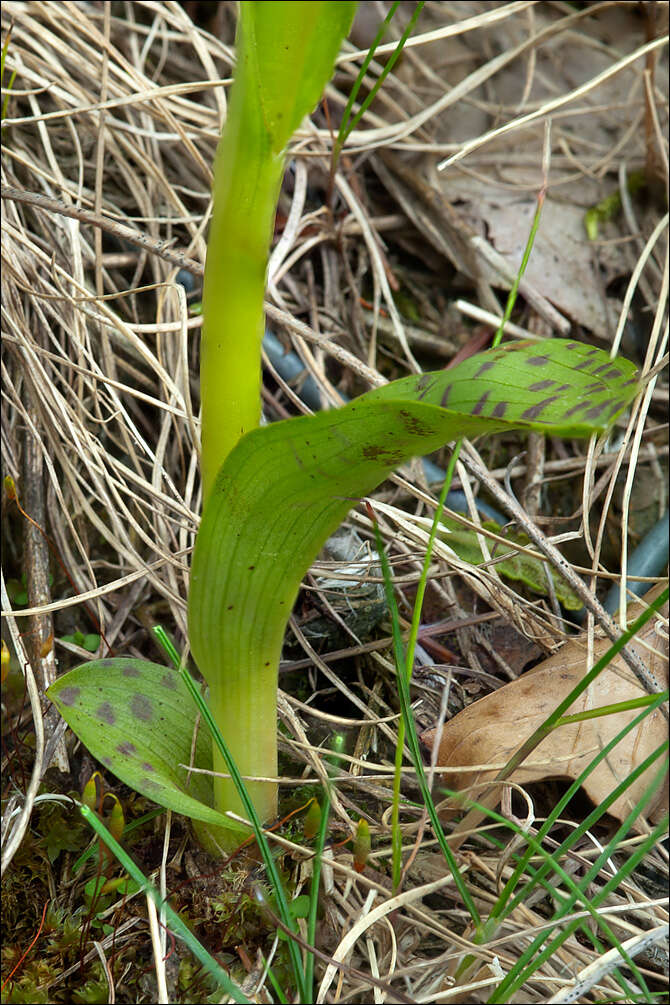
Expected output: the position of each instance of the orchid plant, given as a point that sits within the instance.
(273, 494)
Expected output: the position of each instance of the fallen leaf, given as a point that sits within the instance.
(490, 730)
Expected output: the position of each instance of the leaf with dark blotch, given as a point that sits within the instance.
(286, 487)
(138, 720)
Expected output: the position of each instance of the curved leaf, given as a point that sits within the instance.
(286, 487)
(137, 718)
(509, 561)
(291, 49)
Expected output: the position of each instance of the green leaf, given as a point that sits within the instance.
(137, 719)
(285, 488)
(59, 834)
(507, 560)
(17, 591)
(290, 50)
(90, 642)
(299, 906)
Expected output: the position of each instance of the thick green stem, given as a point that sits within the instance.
(245, 197)
(285, 54)
(245, 709)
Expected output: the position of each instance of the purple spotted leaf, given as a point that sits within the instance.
(138, 719)
(556, 386)
(286, 487)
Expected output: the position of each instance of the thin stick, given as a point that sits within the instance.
(553, 555)
(161, 248)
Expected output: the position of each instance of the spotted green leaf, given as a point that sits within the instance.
(138, 719)
(285, 488)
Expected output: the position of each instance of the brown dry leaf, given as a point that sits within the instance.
(477, 211)
(490, 730)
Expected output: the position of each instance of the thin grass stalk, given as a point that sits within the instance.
(316, 879)
(552, 720)
(504, 906)
(10, 85)
(314, 891)
(517, 976)
(250, 810)
(597, 713)
(348, 124)
(176, 924)
(396, 836)
(412, 739)
(277, 987)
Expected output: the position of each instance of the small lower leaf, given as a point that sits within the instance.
(138, 719)
(509, 562)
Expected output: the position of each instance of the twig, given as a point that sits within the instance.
(21, 826)
(36, 566)
(562, 566)
(161, 248)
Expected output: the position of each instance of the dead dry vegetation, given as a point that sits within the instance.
(109, 133)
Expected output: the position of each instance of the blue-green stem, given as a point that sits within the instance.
(250, 809)
(503, 907)
(412, 738)
(316, 870)
(517, 975)
(245, 799)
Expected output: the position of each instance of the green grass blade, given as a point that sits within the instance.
(300, 976)
(250, 811)
(423, 578)
(523, 968)
(348, 123)
(314, 890)
(345, 129)
(506, 903)
(622, 706)
(3, 56)
(173, 919)
(552, 720)
(412, 738)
